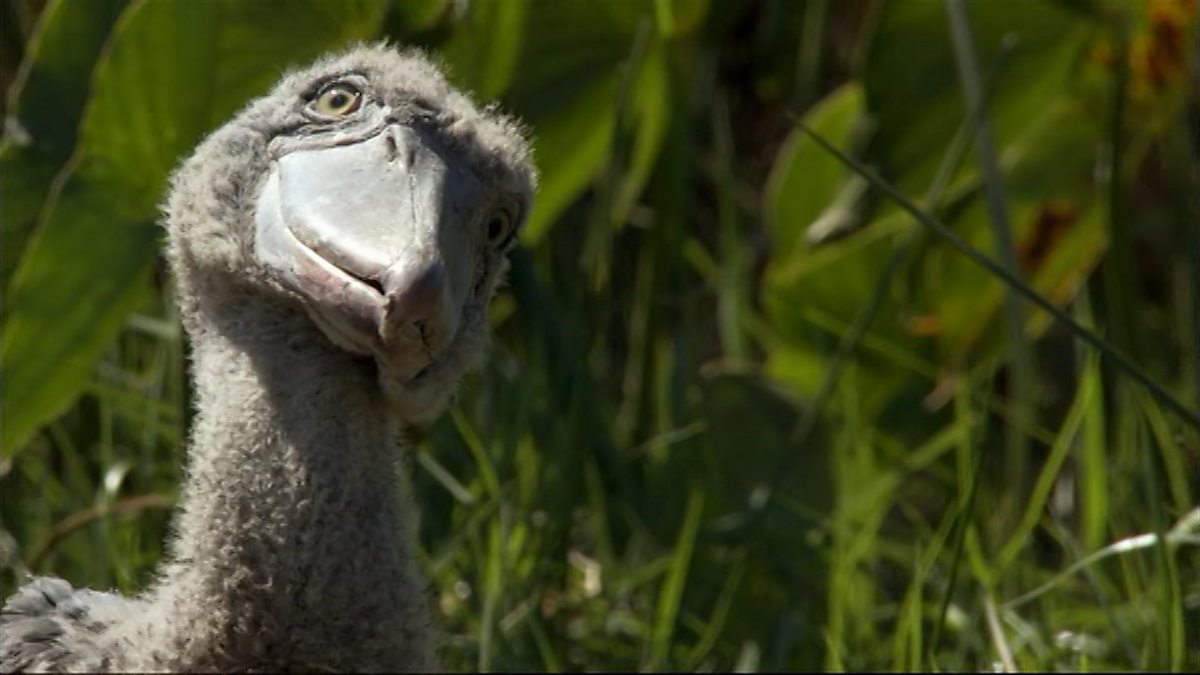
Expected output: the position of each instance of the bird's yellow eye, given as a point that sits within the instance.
(337, 100)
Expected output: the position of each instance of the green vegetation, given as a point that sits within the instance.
(745, 408)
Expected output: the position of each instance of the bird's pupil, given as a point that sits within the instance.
(495, 228)
(338, 100)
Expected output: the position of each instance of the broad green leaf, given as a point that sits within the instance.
(813, 298)
(64, 314)
(173, 72)
(804, 178)
(51, 88)
(913, 95)
(26, 181)
(810, 292)
(1056, 228)
(46, 102)
(259, 41)
(1059, 243)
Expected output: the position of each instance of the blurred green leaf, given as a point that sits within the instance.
(649, 113)
(1045, 145)
(804, 179)
(570, 147)
(486, 47)
(51, 88)
(1058, 245)
(813, 297)
(567, 93)
(45, 103)
(1058, 236)
(912, 88)
(811, 293)
(406, 16)
(678, 17)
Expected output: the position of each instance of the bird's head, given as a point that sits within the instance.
(369, 192)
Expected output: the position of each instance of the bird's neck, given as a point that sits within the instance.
(290, 538)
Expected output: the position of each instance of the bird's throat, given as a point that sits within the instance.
(290, 531)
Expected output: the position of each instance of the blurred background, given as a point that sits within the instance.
(744, 409)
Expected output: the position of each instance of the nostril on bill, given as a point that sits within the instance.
(399, 148)
(393, 149)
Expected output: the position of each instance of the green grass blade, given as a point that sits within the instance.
(671, 595)
(1022, 385)
(1089, 389)
(712, 631)
(1185, 532)
(1166, 574)
(966, 508)
(1092, 454)
(487, 469)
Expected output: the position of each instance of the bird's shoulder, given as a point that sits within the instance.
(48, 625)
